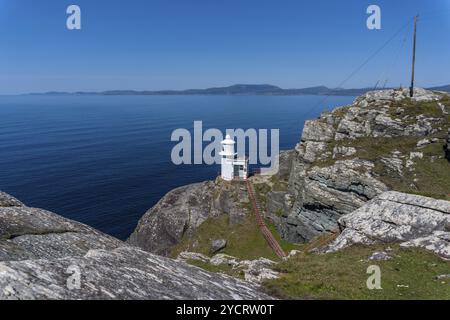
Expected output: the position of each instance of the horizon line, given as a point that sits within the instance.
(186, 91)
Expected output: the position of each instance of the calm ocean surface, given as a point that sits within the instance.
(105, 160)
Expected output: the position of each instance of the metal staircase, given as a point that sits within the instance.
(273, 243)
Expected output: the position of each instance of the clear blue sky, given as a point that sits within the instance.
(178, 44)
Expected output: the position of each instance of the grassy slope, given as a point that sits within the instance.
(244, 241)
(342, 275)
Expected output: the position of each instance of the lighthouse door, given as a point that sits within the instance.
(239, 171)
(236, 171)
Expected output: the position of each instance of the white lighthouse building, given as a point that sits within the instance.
(232, 167)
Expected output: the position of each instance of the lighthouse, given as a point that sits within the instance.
(232, 167)
(228, 154)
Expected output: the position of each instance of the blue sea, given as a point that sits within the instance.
(105, 160)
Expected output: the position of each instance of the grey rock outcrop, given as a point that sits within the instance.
(122, 273)
(8, 201)
(40, 251)
(285, 163)
(182, 210)
(30, 233)
(398, 217)
(438, 242)
(329, 180)
(380, 256)
(217, 245)
(255, 271)
(324, 194)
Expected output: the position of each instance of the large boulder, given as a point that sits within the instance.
(398, 217)
(41, 253)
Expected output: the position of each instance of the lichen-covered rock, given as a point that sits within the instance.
(225, 259)
(438, 242)
(40, 252)
(187, 255)
(380, 256)
(397, 217)
(122, 273)
(9, 201)
(255, 271)
(259, 270)
(30, 233)
(317, 131)
(343, 151)
(420, 94)
(394, 163)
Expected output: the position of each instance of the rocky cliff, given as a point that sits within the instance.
(180, 212)
(40, 252)
(383, 141)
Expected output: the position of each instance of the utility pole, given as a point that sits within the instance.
(411, 89)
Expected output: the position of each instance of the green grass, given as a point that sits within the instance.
(342, 275)
(285, 245)
(261, 191)
(278, 184)
(414, 109)
(431, 179)
(431, 175)
(279, 212)
(244, 240)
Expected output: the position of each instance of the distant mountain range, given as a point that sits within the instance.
(239, 89)
(442, 88)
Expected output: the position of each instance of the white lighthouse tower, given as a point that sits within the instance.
(228, 155)
(232, 166)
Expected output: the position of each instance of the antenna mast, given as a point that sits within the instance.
(411, 89)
